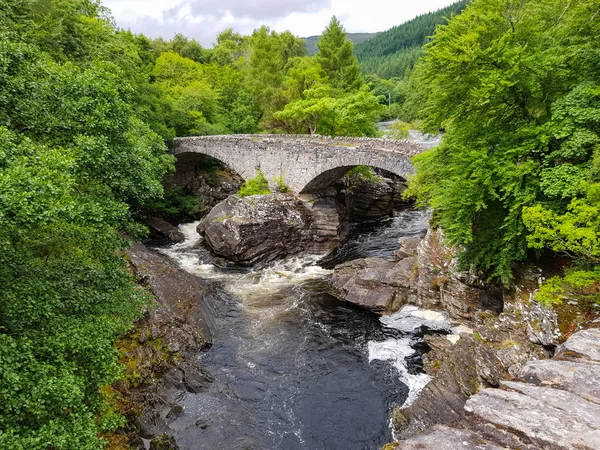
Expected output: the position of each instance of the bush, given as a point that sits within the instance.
(581, 286)
(399, 130)
(255, 186)
(363, 172)
(281, 186)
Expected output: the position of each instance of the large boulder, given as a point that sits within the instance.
(370, 199)
(378, 284)
(162, 232)
(422, 273)
(263, 228)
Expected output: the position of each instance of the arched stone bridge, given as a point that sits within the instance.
(307, 164)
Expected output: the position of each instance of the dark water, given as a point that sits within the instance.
(291, 363)
(378, 239)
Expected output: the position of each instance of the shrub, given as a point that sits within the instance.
(363, 172)
(281, 186)
(399, 130)
(255, 186)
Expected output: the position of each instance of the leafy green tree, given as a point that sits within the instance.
(303, 74)
(510, 83)
(270, 52)
(320, 112)
(308, 113)
(336, 57)
(74, 158)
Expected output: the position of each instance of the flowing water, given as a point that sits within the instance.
(294, 367)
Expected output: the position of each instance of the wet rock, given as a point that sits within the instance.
(163, 442)
(422, 274)
(184, 317)
(151, 424)
(165, 343)
(378, 284)
(264, 228)
(458, 371)
(195, 379)
(370, 199)
(584, 345)
(407, 247)
(162, 232)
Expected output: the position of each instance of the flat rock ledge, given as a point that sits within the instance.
(553, 404)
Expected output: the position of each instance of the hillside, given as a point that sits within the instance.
(392, 52)
(356, 38)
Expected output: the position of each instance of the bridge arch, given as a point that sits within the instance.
(307, 164)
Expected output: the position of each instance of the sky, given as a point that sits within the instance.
(204, 19)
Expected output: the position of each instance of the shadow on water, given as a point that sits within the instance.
(290, 362)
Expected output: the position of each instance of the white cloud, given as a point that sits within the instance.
(204, 19)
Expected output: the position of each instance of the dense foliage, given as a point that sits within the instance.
(74, 155)
(515, 86)
(325, 93)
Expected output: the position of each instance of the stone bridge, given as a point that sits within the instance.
(307, 164)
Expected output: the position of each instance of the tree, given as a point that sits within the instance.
(74, 159)
(336, 57)
(269, 56)
(321, 112)
(508, 82)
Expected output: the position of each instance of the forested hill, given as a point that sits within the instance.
(391, 53)
(355, 38)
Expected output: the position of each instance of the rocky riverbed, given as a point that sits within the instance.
(475, 386)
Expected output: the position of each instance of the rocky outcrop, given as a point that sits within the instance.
(267, 227)
(162, 232)
(554, 404)
(372, 198)
(490, 349)
(422, 273)
(160, 354)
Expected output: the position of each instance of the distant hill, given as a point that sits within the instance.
(311, 41)
(393, 52)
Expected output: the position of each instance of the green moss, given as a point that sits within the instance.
(477, 336)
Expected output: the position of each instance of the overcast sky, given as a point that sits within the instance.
(204, 19)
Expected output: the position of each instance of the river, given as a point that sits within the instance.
(294, 367)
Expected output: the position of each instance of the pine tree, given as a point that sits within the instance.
(336, 57)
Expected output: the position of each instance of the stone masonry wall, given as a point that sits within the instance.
(306, 163)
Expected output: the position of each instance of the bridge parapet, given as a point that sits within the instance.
(306, 163)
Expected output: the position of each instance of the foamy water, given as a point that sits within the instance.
(407, 320)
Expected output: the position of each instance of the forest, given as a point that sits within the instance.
(87, 111)
(394, 52)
